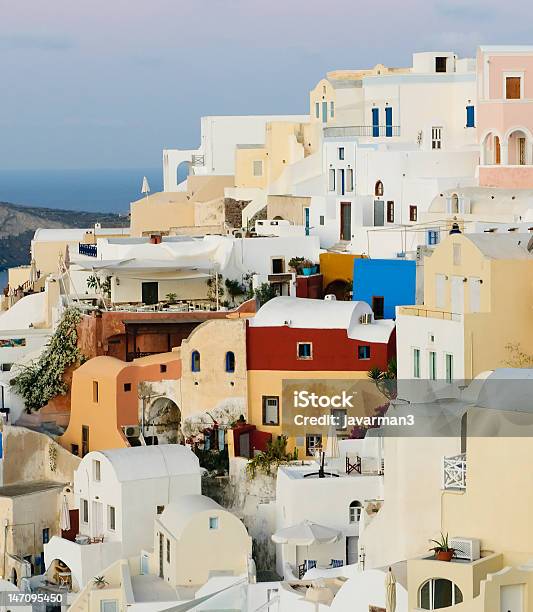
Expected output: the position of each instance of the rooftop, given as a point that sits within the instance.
(502, 246)
(28, 488)
(177, 515)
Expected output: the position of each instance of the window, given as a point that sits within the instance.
(363, 351)
(305, 350)
(440, 64)
(341, 152)
(160, 509)
(321, 220)
(6, 367)
(449, 368)
(375, 122)
(413, 213)
(432, 365)
(213, 522)
(470, 116)
(109, 605)
(317, 110)
(162, 368)
(95, 391)
(378, 306)
(436, 138)
(475, 294)
(332, 179)
(270, 410)
(339, 418)
(354, 512)
(127, 387)
(84, 440)
(258, 167)
(313, 442)
(416, 363)
(278, 265)
(111, 517)
(324, 112)
(513, 87)
(390, 211)
(439, 593)
(433, 237)
(332, 110)
(46, 535)
(168, 550)
(195, 361)
(340, 182)
(74, 449)
(84, 511)
(378, 189)
(456, 254)
(96, 470)
(349, 179)
(230, 361)
(388, 121)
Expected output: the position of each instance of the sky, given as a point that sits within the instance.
(110, 83)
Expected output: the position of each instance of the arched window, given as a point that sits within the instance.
(195, 361)
(355, 512)
(439, 593)
(455, 204)
(230, 361)
(378, 189)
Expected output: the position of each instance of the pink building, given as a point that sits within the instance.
(505, 116)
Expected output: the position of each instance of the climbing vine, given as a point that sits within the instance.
(42, 380)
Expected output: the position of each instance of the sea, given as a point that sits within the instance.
(94, 190)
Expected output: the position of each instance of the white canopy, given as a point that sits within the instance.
(306, 534)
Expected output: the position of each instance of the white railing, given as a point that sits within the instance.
(454, 472)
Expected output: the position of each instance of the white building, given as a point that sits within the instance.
(119, 493)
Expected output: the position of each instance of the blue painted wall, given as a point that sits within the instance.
(394, 279)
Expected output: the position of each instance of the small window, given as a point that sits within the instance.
(332, 179)
(321, 220)
(108, 605)
(258, 167)
(195, 361)
(363, 351)
(436, 138)
(332, 110)
(230, 361)
(378, 306)
(46, 535)
(512, 87)
(96, 470)
(433, 237)
(168, 550)
(75, 449)
(317, 110)
(340, 182)
(355, 512)
(378, 189)
(84, 511)
(470, 116)
(416, 363)
(413, 213)
(162, 368)
(305, 350)
(213, 522)
(6, 367)
(278, 265)
(439, 593)
(270, 410)
(432, 365)
(112, 518)
(95, 391)
(449, 368)
(440, 64)
(127, 387)
(390, 211)
(349, 179)
(160, 509)
(341, 153)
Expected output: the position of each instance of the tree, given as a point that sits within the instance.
(264, 293)
(234, 289)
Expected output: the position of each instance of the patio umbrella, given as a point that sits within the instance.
(64, 518)
(390, 591)
(306, 533)
(332, 446)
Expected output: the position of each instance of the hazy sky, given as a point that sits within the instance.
(110, 83)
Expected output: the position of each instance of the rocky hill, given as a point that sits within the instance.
(18, 224)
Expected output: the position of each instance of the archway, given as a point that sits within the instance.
(183, 171)
(517, 148)
(162, 422)
(60, 574)
(341, 289)
(455, 204)
(378, 189)
(491, 150)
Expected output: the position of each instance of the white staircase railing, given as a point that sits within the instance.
(454, 472)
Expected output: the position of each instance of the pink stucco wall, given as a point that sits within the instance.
(506, 177)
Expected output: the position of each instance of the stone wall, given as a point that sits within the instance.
(233, 211)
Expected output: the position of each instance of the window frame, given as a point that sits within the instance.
(97, 470)
(257, 163)
(230, 355)
(84, 518)
(304, 357)
(512, 75)
(264, 406)
(436, 137)
(416, 362)
(432, 365)
(364, 346)
(111, 518)
(355, 510)
(196, 367)
(390, 211)
(456, 593)
(213, 520)
(413, 213)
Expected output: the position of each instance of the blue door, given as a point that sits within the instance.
(375, 122)
(324, 112)
(388, 121)
(307, 224)
(470, 120)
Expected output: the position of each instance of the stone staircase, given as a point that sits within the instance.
(340, 247)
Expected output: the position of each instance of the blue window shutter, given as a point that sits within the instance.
(388, 121)
(317, 110)
(470, 117)
(375, 122)
(324, 112)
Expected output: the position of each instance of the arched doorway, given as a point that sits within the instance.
(14, 576)
(162, 422)
(182, 171)
(341, 289)
(517, 144)
(491, 150)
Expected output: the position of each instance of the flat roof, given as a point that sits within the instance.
(27, 488)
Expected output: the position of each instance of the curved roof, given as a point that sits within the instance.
(304, 313)
(177, 515)
(60, 234)
(145, 462)
(102, 366)
(29, 310)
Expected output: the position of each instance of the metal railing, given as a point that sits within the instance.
(90, 250)
(454, 472)
(198, 160)
(372, 131)
(421, 311)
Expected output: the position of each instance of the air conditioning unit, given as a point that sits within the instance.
(132, 431)
(468, 549)
(330, 297)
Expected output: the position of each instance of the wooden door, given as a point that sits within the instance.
(346, 221)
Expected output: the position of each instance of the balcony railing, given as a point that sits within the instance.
(454, 472)
(375, 131)
(198, 160)
(421, 311)
(89, 250)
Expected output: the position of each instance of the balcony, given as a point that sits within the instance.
(367, 131)
(89, 250)
(430, 313)
(454, 473)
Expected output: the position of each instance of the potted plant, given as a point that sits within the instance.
(295, 264)
(308, 267)
(442, 550)
(100, 582)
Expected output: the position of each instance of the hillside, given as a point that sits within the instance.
(18, 224)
